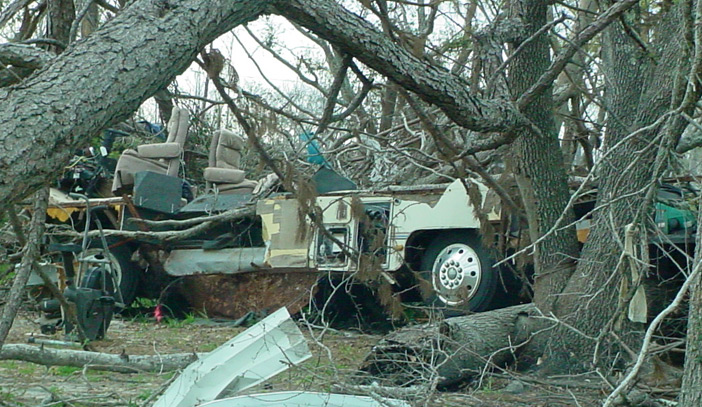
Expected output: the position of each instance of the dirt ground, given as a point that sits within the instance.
(27, 384)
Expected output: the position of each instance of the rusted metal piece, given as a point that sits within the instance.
(232, 296)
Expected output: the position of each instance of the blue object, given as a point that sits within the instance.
(153, 128)
(314, 152)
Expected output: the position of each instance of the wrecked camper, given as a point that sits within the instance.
(244, 247)
(273, 253)
(256, 249)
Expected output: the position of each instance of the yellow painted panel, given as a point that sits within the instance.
(61, 214)
(270, 228)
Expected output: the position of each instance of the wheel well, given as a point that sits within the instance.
(419, 240)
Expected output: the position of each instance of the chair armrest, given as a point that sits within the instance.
(160, 150)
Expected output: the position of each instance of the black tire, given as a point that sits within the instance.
(459, 270)
(120, 254)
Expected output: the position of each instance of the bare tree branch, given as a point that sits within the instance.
(357, 37)
(25, 56)
(333, 93)
(560, 62)
(11, 10)
(97, 361)
(81, 15)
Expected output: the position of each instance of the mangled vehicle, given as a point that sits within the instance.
(243, 245)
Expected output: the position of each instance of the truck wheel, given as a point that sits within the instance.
(460, 272)
(126, 272)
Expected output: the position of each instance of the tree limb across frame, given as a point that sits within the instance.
(102, 79)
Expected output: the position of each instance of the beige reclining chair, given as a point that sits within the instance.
(223, 175)
(162, 158)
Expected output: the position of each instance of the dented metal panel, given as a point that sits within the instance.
(305, 399)
(453, 210)
(185, 262)
(295, 243)
(255, 355)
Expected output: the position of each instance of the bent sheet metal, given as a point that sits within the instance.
(255, 355)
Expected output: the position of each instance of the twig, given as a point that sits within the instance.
(627, 383)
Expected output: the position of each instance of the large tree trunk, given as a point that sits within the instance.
(101, 80)
(61, 16)
(691, 395)
(454, 349)
(540, 175)
(640, 90)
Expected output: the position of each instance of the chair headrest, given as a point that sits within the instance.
(178, 125)
(230, 140)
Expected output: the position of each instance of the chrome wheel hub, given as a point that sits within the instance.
(456, 274)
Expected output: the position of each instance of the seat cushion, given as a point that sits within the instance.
(224, 175)
(130, 163)
(160, 150)
(245, 187)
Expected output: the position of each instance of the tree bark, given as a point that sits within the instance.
(25, 56)
(455, 349)
(20, 61)
(31, 252)
(639, 92)
(541, 179)
(101, 80)
(691, 396)
(61, 16)
(97, 361)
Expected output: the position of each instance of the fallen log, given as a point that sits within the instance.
(121, 363)
(454, 349)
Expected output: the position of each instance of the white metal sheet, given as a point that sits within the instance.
(257, 354)
(305, 399)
